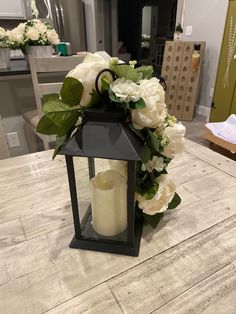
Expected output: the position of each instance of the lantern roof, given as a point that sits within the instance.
(104, 135)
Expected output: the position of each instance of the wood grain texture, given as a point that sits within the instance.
(95, 301)
(192, 243)
(211, 185)
(23, 258)
(164, 277)
(11, 233)
(196, 169)
(219, 161)
(215, 294)
(46, 221)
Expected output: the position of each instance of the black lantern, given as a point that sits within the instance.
(107, 223)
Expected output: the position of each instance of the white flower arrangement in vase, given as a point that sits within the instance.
(35, 37)
(142, 98)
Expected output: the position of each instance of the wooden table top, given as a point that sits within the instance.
(187, 265)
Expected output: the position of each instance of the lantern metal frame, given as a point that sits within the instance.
(109, 122)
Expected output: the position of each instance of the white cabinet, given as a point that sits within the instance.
(13, 9)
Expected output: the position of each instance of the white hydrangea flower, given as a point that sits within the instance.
(53, 37)
(175, 137)
(155, 112)
(156, 163)
(125, 90)
(86, 73)
(159, 203)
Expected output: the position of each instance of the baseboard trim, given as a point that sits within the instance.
(204, 111)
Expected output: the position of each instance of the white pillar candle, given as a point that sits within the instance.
(109, 203)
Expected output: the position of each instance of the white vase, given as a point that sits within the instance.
(39, 51)
(4, 58)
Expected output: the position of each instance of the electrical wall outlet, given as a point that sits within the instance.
(188, 30)
(211, 94)
(13, 139)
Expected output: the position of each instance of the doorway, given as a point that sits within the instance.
(143, 28)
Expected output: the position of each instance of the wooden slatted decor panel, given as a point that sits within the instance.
(167, 68)
(182, 83)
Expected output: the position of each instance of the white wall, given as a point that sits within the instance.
(207, 17)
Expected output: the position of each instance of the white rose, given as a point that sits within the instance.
(33, 34)
(154, 114)
(156, 163)
(41, 27)
(20, 28)
(152, 88)
(125, 90)
(159, 203)
(87, 72)
(53, 37)
(3, 33)
(15, 36)
(175, 137)
(151, 116)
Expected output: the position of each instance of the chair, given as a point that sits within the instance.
(4, 151)
(44, 65)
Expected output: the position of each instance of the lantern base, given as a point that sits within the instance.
(110, 246)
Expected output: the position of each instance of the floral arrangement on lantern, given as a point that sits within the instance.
(102, 81)
(33, 33)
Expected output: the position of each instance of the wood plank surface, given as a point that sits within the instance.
(11, 233)
(45, 221)
(98, 300)
(40, 273)
(215, 294)
(217, 160)
(167, 275)
(24, 258)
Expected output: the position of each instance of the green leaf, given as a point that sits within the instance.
(113, 97)
(152, 141)
(140, 104)
(60, 113)
(146, 71)
(95, 98)
(105, 83)
(146, 154)
(126, 71)
(175, 201)
(153, 220)
(60, 141)
(137, 132)
(46, 126)
(49, 97)
(71, 91)
(151, 191)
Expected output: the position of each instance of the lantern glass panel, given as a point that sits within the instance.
(101, 186)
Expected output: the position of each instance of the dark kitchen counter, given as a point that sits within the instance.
(17, 67)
